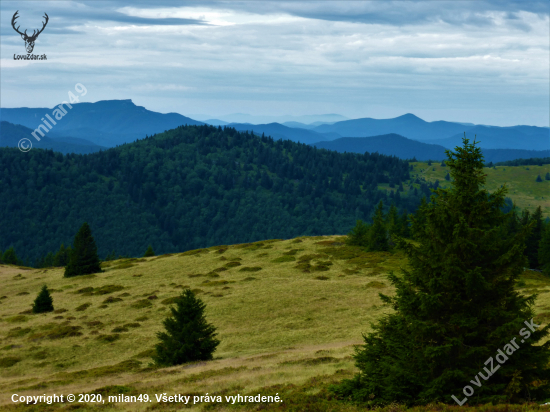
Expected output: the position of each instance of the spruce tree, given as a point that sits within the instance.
(538, 179)
(456, 307)
(43, 302)
(10, 257)
(544, 250)
(404, 225)
(378, 237)
(393, 226)
(359, 235)
(188, 336)
(149, 252)
(532, 242)
(61, 258)
(83, 259)
(419, 221)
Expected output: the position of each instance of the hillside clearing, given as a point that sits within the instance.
(288, 313)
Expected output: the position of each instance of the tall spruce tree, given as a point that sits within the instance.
(404, 224)
(83, 259)
(392, 220)
(188, 336)
(43, 302)
(358, 235)
(456, 307)
(61, 258)
(533, 241)
(419, 221)
(378, 236)
(544, 249)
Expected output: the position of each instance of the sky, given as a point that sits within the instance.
(483, 62)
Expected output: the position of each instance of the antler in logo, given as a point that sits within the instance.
(29, 40)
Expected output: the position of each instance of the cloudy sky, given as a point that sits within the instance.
(484, 62)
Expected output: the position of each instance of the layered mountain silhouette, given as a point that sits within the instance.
(446, 134)
(407, 125)
(399, 146)
(105, 123)
(266, 119)
(11, 134)
(279, 132)
(110, 123)
(516, 137)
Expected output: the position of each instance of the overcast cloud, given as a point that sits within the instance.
(473, 61)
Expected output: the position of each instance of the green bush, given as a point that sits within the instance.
(283, 259)
(250, 269)
(112, 299)
(108, 338)
(169, 301)
(83, 307)
(54, 331)
(9, 361)
(104, 290)
(232, 264)
(119, 329)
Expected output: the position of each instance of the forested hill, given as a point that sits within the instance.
(187, 188)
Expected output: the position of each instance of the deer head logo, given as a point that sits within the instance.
(29, 40)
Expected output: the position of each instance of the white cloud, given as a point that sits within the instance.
(296, 58)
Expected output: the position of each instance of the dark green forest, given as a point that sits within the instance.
(538, 161)
(191, 187)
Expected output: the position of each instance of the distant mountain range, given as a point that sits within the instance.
(407, 125)
(110, 123)
(266, 119)
(446, 134)
(489, 137)
(278, 131)
(11, 134)
(105, 123)
(399, 146)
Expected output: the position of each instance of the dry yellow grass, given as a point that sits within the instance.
(284, 327)
(264, 318)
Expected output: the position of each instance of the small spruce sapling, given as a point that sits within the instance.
(43, 302)
(83, 259)
(188, 337)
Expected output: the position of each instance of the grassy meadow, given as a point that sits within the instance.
(520, 181)
(288, 313)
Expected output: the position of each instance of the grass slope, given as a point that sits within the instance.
(520, 180)
(288, 313)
